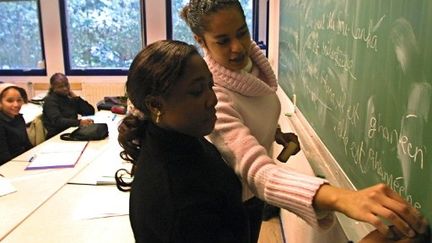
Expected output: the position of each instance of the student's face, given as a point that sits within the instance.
(11, 102)
(61, 87)
(190, 106)
(227, 39)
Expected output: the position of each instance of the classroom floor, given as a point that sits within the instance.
(271, 231)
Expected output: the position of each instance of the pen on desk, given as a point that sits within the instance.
(114, 117)
(32, 158)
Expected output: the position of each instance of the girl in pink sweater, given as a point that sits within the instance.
(248, 110)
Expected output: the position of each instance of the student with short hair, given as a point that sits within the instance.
(13, 134)
(182, 190)
(62, 106)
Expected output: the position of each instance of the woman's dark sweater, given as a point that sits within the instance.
(61, 112)
(184, 192)
(13, 137)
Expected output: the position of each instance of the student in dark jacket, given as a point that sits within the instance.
(62, 106)
(13, 134)
(182, 190)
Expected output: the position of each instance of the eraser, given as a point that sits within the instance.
(287, 151)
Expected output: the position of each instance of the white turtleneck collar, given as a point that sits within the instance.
(249, 65)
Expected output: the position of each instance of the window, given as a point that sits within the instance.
(101, 37)
(181, 31)
(21, 47)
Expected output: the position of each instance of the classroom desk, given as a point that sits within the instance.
(36, 187)
(103, 168)
(78, 213)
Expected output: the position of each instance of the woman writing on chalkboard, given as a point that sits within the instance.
(248, 111)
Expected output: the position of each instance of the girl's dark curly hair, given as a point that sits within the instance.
(153, 72)
(196, 12)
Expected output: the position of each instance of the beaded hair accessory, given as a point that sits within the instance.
(134, 111)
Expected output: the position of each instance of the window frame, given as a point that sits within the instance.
(94, 71)
(31, 72)
(255, 20)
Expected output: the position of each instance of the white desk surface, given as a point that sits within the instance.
(30, 111)
(35, 188)
(103, 168)
(78, 213)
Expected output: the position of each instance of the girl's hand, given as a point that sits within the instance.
(86, 122)
(72, 94)
(373, 205)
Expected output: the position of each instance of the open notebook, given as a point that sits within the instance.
(59, 155)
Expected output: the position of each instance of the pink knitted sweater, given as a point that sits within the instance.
(248, 111)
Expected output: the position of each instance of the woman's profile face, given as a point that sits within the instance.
(190, 105)
(11, 102)
(227, 39)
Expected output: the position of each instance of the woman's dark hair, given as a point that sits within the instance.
(195, 13)
(20, 90)
(153, 72)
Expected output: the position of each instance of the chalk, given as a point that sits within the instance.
(294, 101)
(294, 107)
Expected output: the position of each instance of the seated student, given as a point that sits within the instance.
(182, 190)
(13, 134)
(62, 106)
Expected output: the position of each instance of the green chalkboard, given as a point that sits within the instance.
(361, 71)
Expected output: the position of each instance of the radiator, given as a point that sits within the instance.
(94, 92)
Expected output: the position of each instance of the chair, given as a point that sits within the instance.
(36, 131)
(41, 89)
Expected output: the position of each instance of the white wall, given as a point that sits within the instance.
(155, 20)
